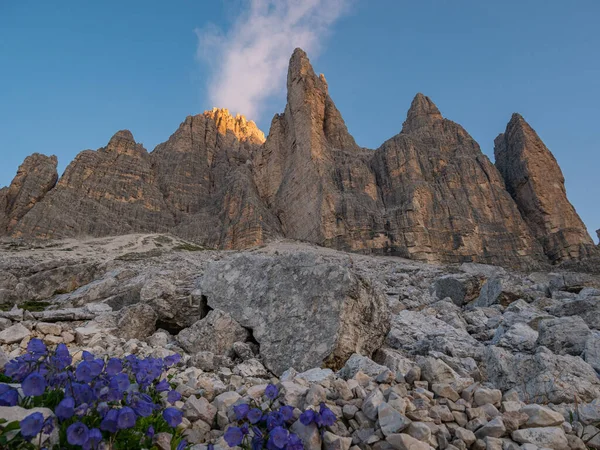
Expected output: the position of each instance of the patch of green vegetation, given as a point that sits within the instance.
(61, 291)
(34, 305)
(163, 240)
(188, 247)
(5, 379)
(30, 305)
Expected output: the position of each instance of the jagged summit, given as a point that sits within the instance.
(423, 106)
(427, 193)
(243, 129)
(422, 112)
(123, 142)
(125, 135)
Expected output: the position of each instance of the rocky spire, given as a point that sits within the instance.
(123, 142)
(310, 170)
(422, 112)
(204, 173)
(535, 181)
(35, 177)
(311, 108)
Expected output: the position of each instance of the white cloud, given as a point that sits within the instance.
(248, 62)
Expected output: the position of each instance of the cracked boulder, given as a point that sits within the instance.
(303, 311)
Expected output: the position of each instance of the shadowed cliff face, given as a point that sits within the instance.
(197, 184)
(427, 193)
(35, 177)
(109, 191)
(536, 183)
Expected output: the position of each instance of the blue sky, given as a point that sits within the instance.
(74, 72)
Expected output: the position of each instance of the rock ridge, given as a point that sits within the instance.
(428, 193)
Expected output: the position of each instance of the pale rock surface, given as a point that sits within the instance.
(15, 333)
(216, 333)
(334, 315)
(544, 376)
(136, 322)
(541, 416)
(592, 351)
(361, 363)
(548, 437)
(406, 442)
(564, 335)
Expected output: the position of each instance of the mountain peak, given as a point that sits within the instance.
(243, 129)
(300, 70)
(422, 112)
(299, 55)
(534, 179)
(123, 142)
(122, 135)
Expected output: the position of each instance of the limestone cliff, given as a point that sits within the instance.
(109, 191)
(428, 193)
(311, 172)
(35, 177)
(536, 183)
(203, 170)
(444, 200)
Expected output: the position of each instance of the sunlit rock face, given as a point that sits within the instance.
(197, 184)
(535, 181)
(428, 193)
(204, 172)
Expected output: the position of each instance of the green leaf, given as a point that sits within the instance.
(12, 426)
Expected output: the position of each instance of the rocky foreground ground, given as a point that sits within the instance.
(408, 355)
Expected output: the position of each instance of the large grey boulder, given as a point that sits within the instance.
(519, 337)
(216, 333)
(564, 335)
(303, 311)
(588, 308)
(542, 377)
